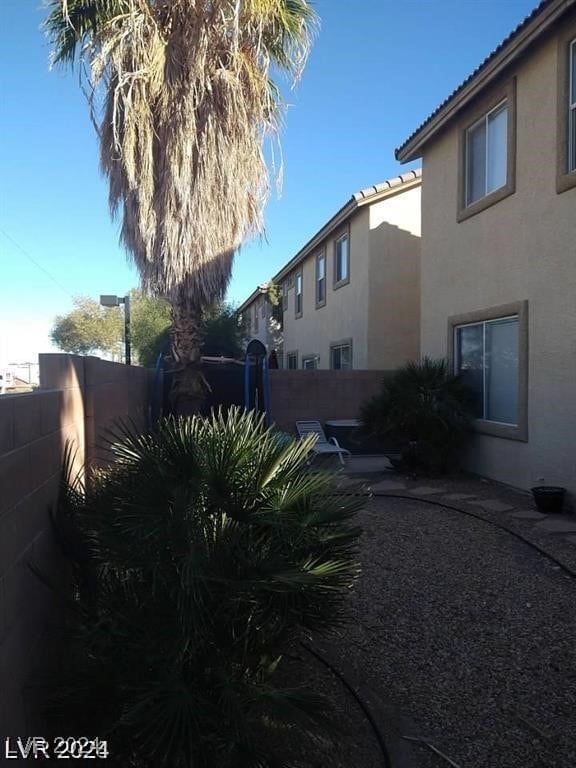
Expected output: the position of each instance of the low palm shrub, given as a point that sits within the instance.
(205, 551)
(426, 410)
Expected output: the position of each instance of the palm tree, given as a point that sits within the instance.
(199, 558)
(186, 102)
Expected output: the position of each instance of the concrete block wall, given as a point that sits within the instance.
(320, 395)
(77, 399)
(34, 428)
(109, 392)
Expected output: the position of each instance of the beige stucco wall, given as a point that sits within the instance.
(262, 332)
(521, 248)
(78, 398)
(394, 285)
(345, 312)
(379, 308)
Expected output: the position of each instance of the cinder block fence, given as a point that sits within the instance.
(320, 395)
(78, 397)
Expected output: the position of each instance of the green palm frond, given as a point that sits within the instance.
(214, 548)
(423, 403)
(70, 24)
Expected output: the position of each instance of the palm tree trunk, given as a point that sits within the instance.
(189, 386)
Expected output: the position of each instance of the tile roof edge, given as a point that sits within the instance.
(544, 14)
(357, 200)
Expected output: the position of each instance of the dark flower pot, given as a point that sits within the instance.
(549, 499)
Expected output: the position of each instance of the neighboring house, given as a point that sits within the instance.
(350, 296)
(260, 323)
(498, 276)
(11, 384)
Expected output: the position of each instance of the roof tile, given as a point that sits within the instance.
(509, 38)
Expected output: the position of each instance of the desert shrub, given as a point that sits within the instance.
(427, 410)
(204, 552)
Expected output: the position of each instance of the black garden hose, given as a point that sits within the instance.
(387, 761)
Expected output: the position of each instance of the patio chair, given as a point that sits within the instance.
(322, 445)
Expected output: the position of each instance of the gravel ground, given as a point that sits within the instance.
(470, 633)
(352, 743)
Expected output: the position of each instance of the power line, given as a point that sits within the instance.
(36, 264)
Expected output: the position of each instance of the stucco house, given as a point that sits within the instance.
(260, 320)
(498, 268)
(350, 296)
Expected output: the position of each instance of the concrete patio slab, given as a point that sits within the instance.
(350, 482)
(389, 485)
(557, 525)
(361, 464)
(493, 505)
(528, 514)
(426, 490)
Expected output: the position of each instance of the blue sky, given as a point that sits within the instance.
(374, 74)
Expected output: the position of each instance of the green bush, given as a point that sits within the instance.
(427, 410)
(203, 553)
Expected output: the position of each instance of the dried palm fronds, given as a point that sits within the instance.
(188, 101)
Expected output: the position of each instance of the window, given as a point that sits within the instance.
(489, 347)
(310, 362)
(341, 356)
(487, 357)
(292, 361)
(263, 309)
(298, 294)
(486, 154)
(487, 166)
(566, 163)
(321, 279)
(572, 108)
(255, 318)
(341, 260)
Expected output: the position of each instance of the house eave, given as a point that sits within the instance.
(494, 66)
(359, 200)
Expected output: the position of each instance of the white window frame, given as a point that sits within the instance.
(338, 281)
(484, 119)
(484, 324)
(571, 109)
(309, 359)
(298, 294)
(340, 346)
(320, 257)
(289, 356)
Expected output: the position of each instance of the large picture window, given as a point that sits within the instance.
(487, 357)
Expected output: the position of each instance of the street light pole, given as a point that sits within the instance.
(114, 301)
(127, 337)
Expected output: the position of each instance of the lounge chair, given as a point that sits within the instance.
(322, 445)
